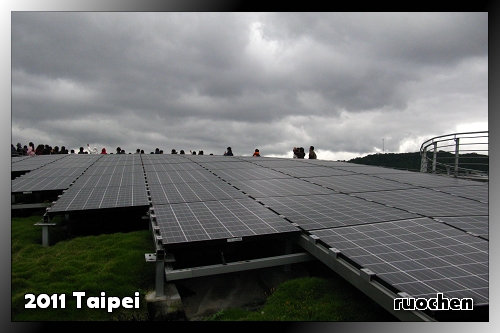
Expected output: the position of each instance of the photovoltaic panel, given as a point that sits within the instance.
(33, 162)
(427, 202)
(215, 220)
(192, 192)
(118, 159)
(427, 180)
(249, 173)
(372, 170)
(476, 225)
(110, 168)
(114, 179)
(278, 162)
(172, 177)
(420, 257)
(479, 192)
(332, 164)
(89, 198)
(162, 158)
(226, 165)
(33, 184)
(334, 210)
(168, 167)
(312, 171)
(212, 158)
(54, 173)
(278, 187)
(358, 183)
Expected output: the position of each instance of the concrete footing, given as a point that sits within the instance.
(167, 307)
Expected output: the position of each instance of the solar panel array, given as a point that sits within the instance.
(420, 233)
(49, 172)
(112, 181)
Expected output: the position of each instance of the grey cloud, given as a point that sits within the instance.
(339, 81)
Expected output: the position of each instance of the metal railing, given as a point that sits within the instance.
(457, 155)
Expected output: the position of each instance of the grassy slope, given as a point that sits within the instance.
(111, 263)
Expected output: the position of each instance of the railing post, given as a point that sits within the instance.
(423, 163)
(434, 158)
(457, 143)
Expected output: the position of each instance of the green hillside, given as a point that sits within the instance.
(411, 161)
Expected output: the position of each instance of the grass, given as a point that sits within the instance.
(312, 299)
(110, 263)
(114, 264)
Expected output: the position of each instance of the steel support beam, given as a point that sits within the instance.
(231, 267)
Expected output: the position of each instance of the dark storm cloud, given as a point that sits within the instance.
(339, 81)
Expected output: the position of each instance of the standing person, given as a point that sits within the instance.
(39, 149)
(91, 151)
(228, 152)
(31, 149)
(300, 152)
(103, 151)
(256, 153)
(312, 154)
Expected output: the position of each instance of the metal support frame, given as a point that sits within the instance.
(231, 267)
(363, 279)
(45, 232)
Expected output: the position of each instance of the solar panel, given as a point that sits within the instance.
(427, 179)
(333, 164)
(113, 179)
(54, 173)
(173, 177)
(358, 183)
(226, 165)
(479, 192)
(90, 198)
(162, 158)
(34, 162)
(278, 162)
(312, 171)
(118, 159)
(249, 173)
(167, 167)
(192, 192)
(427, 202)
(372, 170)
(420, 257)
(476, 225)
(215, 220)
(278, 187)
(334, 210)
(33, 184)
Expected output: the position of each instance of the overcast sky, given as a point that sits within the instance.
(351, 84)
